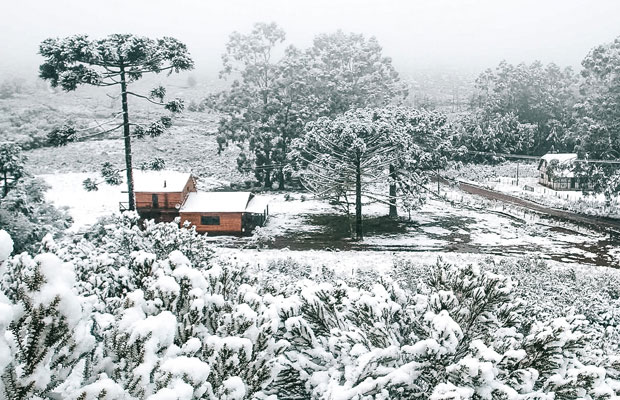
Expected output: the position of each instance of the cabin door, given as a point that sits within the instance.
(155, 201)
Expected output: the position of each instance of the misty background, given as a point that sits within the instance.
(439, 35)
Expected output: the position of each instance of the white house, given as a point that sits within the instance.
(563, 177)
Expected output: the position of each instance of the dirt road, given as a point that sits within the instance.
(609, 225)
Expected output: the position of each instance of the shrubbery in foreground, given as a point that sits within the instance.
(126, 315)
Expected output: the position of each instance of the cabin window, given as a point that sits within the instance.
(209, 220)
(155, 200)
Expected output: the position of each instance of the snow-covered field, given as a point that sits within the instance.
(468, 226)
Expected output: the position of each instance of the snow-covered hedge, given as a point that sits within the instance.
(125, 315)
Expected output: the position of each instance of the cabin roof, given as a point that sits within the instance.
(160, 181)
(257, 205)
(214, 202)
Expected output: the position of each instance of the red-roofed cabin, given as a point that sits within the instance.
(161, 194)
(225, 212)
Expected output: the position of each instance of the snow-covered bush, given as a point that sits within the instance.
(27, 217)
(261, 238)
(137, 321)
(49, 329)
(118, 256)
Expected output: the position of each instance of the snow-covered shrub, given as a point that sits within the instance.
(460, 335)
(118, 256)
(138, 322)
(261, 238)
(27, 217)
(49, 331)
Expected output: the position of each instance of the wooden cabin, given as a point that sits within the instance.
(161, 194)
(563, 178)
(224, 212)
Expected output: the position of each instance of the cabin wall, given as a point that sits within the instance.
(229, 222)
(167, 200)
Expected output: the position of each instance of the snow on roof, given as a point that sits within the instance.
(257, 205)
(160, 181)
(561, 157)
(206, 202)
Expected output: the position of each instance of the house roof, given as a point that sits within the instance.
(160, 181)
(214, 202)
(561, 157)
(257, 205)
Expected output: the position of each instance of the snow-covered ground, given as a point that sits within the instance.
(85, 207)
(468, 226)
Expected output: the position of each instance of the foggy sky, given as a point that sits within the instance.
(417, 34)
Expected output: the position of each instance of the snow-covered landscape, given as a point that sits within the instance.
(346, 201)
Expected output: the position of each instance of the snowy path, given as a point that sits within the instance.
(597, 222)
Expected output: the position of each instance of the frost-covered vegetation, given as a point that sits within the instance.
(151, 313)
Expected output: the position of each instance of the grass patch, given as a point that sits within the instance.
(336, 227)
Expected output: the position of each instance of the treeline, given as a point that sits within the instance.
(271, 99)
(534, 109)
(528, 109)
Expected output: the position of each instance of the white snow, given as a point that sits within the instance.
(235, 388)
(216, 202)
(560, 157)
(6, 245)
(160, 181)
(85, 207)
(192, 367)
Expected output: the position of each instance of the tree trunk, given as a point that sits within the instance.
(358, 200)
(267, 178)
(5, 189)
(393, 209)
(127, 137)
(280, 179)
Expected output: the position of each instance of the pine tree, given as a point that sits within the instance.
(117, 60)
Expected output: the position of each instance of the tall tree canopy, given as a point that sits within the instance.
(597, 129)
(353, 158)
(542, 96)
(117, 60)
(350, 71)
(270, 100)
(599, 110)
(264, 108)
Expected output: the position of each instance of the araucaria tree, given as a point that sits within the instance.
(264, 108)
(418, 143)
(117, 60)
(271, 100)
(342, 159)
(370, 155)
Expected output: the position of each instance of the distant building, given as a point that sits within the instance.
(224, 212)
(563, 177)
(165, 195)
